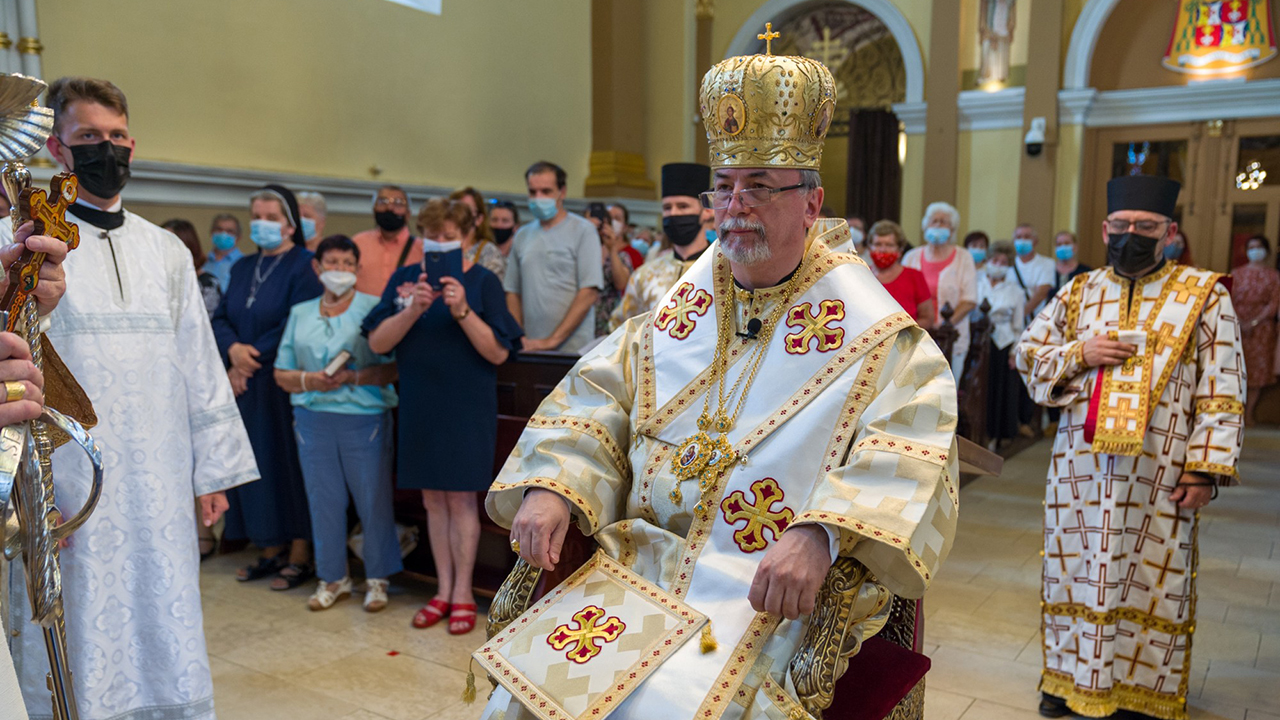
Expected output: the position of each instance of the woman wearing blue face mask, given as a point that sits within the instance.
(977, 244)
(248, 325)
(1066, 263)
(1255, 292)
(949, 272)
(224, 234)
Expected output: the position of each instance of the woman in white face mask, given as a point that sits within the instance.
(1255, 292)
(997, 286)
(342, 398)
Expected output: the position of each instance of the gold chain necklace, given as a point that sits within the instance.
(699, 455)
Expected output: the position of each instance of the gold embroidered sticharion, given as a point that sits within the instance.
(1111, 617)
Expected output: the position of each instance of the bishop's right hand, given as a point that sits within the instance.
(540, 526)
(16, 367)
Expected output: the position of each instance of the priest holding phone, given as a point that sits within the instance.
(448, 336)
(1144, 359)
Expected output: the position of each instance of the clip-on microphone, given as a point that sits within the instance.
(753, 329)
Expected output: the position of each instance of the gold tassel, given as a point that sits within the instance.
(469, 694)
(709, 644)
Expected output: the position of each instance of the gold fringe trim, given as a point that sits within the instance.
(1116, 447)
(1112, 617)
(1101, 703)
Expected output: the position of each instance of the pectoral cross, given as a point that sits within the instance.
(768, 36)
(50, 220)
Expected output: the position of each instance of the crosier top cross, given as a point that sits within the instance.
(50, 220)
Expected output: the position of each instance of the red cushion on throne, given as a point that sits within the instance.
(878, 678)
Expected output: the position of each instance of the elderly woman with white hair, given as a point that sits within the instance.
(949, 272)
(314, 212)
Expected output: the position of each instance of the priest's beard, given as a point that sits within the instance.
(744, 250)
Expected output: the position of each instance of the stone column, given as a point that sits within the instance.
(618, 102)
(941, 90)
(1038, 175)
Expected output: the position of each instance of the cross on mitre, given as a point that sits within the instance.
(768, 36)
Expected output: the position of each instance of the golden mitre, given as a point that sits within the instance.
(767, 110)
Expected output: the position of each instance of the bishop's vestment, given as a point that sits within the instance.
(133, 330)
(851, 426)
(1119, 590)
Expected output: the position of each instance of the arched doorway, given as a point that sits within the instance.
(874, 70)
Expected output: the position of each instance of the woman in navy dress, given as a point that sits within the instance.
(448, 344)
(271, 512)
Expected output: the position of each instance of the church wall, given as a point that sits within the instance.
(1066, 205)
(333, 87)
(913, 202)
(672, 86)
(987, 191)
(202, 218)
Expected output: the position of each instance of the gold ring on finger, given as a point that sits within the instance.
(14, 391)
(515, 546)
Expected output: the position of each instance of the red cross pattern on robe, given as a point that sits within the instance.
(590, 635)
(815, 326)
(758, 515)
(679, 314)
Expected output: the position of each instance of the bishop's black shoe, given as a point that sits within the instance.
(1053, 707)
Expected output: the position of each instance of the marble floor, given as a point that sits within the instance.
(272, 658)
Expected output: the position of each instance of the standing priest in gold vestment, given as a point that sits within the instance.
(775, 410)
(1144, 358)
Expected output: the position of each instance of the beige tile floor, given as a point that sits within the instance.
(272, 658)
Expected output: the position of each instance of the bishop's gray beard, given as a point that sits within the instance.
(745, 250)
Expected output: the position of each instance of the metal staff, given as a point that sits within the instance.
(32, 524)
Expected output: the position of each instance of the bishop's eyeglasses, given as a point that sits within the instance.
(754, 197)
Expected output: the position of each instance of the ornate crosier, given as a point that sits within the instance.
(701, 456)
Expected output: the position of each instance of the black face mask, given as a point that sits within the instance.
(102, 169)
(1131, 253)
(502, 235)
(389, 221)
(682, 229)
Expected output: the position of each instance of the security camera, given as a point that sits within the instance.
(1035, 137)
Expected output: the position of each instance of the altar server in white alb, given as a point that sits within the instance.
(776, 409)
(1144, 359)
(133, 330)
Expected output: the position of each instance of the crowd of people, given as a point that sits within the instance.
(367, 363)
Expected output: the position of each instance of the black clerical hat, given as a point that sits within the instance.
(685, 179)
(1151, 193)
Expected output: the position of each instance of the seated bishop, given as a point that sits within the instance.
(776, 411)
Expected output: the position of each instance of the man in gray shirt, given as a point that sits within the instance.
(555, 270)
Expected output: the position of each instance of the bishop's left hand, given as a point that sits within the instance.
(789, 577)
(53, 279)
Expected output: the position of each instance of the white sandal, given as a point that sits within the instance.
(375, 596)
(324, 598)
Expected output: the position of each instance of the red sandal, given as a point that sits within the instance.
(462, 619)
(431, 613)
